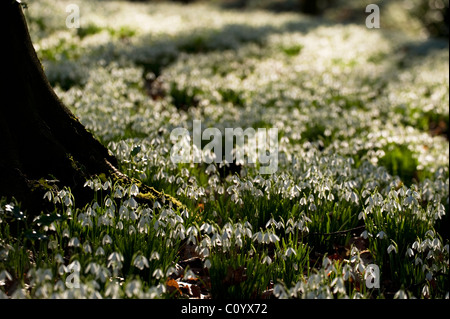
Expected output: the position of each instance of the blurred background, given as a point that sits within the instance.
(428, 17)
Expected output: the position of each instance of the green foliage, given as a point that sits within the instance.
(400, 161)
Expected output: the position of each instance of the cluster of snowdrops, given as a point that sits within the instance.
(362, 179)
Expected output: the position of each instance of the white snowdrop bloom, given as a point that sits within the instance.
(267, 260)
(418, 261)
(211, 169)
(409, 252)
(207, 264)
(134, 289)
(87, 248)
(89, 184)
(158, 273)
(107, 240)
(52, 244)
(157, 205)
(115, 257)
(207, 228)
(360, 267)
(155, 256)
(66, 233)
(205, 251)
(134, 190)
(132, 203)
(48, 195)
(362, 215)
(347, 272)
(391, 248)
(108, 202)
(192, 230)
(93, 268)
(74, 242)
(118, 193)
(303, 201)
(279, 292)
(141, 262)
(429, 233)
(339, 286)
(401, 294)
(59, 259)
(103, 274)
(426, 291)
(436, 244)
(381, 235)
(365, 234)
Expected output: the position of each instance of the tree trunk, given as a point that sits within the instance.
(41, 141)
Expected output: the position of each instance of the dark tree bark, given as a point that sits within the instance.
(41, 142)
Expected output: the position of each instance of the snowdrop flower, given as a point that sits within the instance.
(401, 294)
(409, 252)
(107, 240)
(141, 262)
(87, 248)
(100, 252)
(365, 234)
(338, 284)
(290, 251)
(280, 292)
(52, 244)
(118, 193)
(115, 259)
(267, 260)
(155, 256)
(74, 242)
(106, 185)
(158, 273)
(391, 248)
(381, 235)
(418, 261)
(134, 288)
(66, 233)
(93, 268)
(109, 202)
(134, 190)
(59, 259)
(103, 274)
(132, 203)
(48, 195)
(426, 291)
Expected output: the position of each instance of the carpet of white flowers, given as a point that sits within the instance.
(363, 175)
